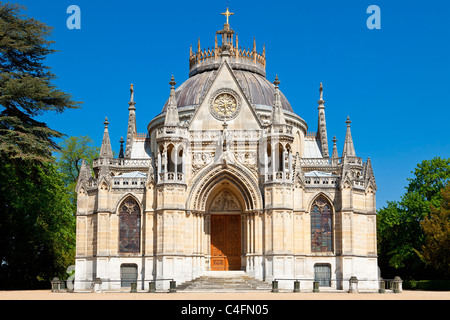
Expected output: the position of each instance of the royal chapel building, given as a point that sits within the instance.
(227, 179)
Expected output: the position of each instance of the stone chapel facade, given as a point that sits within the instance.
(227, 177)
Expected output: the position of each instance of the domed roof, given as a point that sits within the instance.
(260, 90)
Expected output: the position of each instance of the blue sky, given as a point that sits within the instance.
(393, 83)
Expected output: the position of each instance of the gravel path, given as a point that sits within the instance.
(47, 295)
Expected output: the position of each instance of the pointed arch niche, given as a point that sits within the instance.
(225, 202)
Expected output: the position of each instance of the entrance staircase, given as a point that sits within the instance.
(224, 281)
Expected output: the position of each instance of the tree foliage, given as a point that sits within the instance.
(37, 223)
(26, 89)
(37, 216)
(400, 230)
(72, 151)
(436, 249)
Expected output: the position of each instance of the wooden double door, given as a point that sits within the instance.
(225, 242)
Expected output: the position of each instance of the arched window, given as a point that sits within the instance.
(278, 157)
(171, 158)
(180, 160)
(321, 226)
(129, 226)
(268, 159)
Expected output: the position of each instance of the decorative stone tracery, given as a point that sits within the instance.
(242, 180)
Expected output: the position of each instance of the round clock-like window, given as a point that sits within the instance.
(224, 105)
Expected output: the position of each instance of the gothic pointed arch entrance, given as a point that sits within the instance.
(226, 232)
(226, 198)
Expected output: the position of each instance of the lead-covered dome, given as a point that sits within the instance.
(258, 89)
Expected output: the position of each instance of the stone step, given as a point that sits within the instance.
(224, 274)
(224, 280)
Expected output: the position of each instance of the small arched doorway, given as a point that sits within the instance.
(226, 232)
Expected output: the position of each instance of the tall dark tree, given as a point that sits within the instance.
(26, 89)
(37, 226)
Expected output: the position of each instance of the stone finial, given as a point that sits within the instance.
(121, 152)
(276, 82)
(321, 102)
(335, 154)
(321, 92)
(131, 93)
(277, 113)
(172, 83)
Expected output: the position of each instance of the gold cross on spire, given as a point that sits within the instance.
(227, 14)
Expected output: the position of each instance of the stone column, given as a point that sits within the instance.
(273, 164)
(266, 165)
(176, 163)
(165, 163)
(159, 162)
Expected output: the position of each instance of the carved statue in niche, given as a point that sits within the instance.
(225, 202)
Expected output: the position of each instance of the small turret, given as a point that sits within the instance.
(85, 172)
(322, 125)
(172, 117)
(368, 175)
(277, 113)
(335, 150)
(349, 148)
(106, 150)
(132, 130)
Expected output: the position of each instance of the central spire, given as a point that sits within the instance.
(227, 33)
(226, 49)
(227, 14)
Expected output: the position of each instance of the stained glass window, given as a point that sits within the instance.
(321, 226)
(129, 227)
